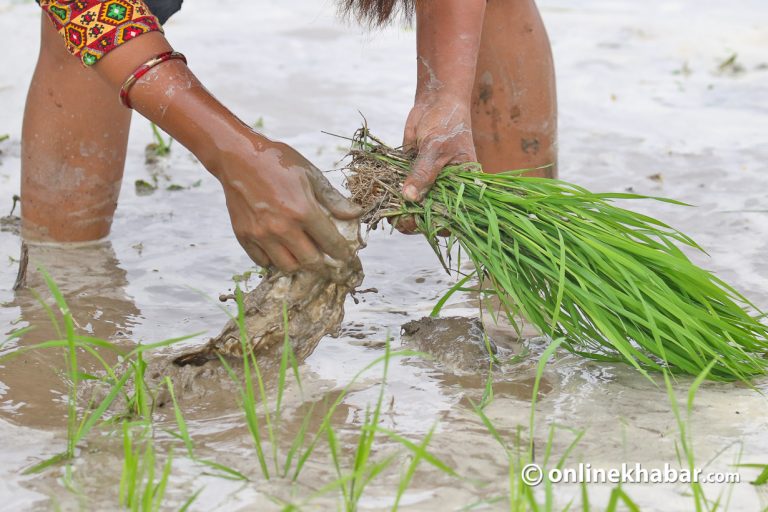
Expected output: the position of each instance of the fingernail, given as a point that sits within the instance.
(411, 193)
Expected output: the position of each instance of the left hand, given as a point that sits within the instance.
(439, 129)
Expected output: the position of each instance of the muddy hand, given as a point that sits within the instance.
(440, 131)
(439, 128)
(282, 208)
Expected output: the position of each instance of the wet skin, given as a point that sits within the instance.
(485, 92)
(280, 205)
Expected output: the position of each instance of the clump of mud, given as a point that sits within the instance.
(314, 302)
(10, 224)
(458, 343)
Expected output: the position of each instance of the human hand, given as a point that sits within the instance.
(439, 129)
(282, 208)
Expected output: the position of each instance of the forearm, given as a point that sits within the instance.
(173, 98)
(113, 40)
(283, 209)
(448, 41)
(439, 127)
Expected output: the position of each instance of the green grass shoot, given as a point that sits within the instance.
(82, 420)
(222, 470)
(160, 147)
(614, 283)
(141, 489)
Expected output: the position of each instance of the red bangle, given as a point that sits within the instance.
(143, 70)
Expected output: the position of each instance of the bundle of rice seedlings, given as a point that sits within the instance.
(614, 283)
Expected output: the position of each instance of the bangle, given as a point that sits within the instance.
(143, 70)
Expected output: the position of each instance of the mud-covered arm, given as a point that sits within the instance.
(281, 207)
(439, 126)
(93, 28)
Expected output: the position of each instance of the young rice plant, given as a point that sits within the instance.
(614, 283)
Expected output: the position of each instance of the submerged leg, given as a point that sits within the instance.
(514, 107)
(73, 148)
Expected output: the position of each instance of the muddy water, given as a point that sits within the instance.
(644, 105)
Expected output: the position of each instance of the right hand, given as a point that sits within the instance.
(282, 208)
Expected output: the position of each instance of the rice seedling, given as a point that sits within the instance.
(81, 421)
(141, 489)
(159, 147)
(614, 283)
(685, 445)
(364, 469)
(264, 427)
(78, 424)
(521, 496)
(264, 424)
(762, 478)
(419, 455)
(183, 434)
(248, 392)
(700, 501)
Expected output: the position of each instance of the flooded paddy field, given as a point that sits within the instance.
(660, 98)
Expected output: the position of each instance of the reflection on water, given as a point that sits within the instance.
(93, 284)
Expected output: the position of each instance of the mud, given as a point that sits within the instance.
(10, 224)
(457, 343)
(310, 303)
(625, 115)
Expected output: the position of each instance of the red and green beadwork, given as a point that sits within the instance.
(93, 28)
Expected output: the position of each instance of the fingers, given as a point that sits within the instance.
(304, 251)
(434, 155)
(405, 224)
(426, 168)
(281, 256)
(289, 253)
(325, 235)
(339, 206)
(254, 252)
(410, 135)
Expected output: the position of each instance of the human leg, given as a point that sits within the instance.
(514, 106)
(73, 149)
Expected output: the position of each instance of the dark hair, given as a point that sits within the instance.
(377, 13)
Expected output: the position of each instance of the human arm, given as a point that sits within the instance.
(279, 203)
(439, 127)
